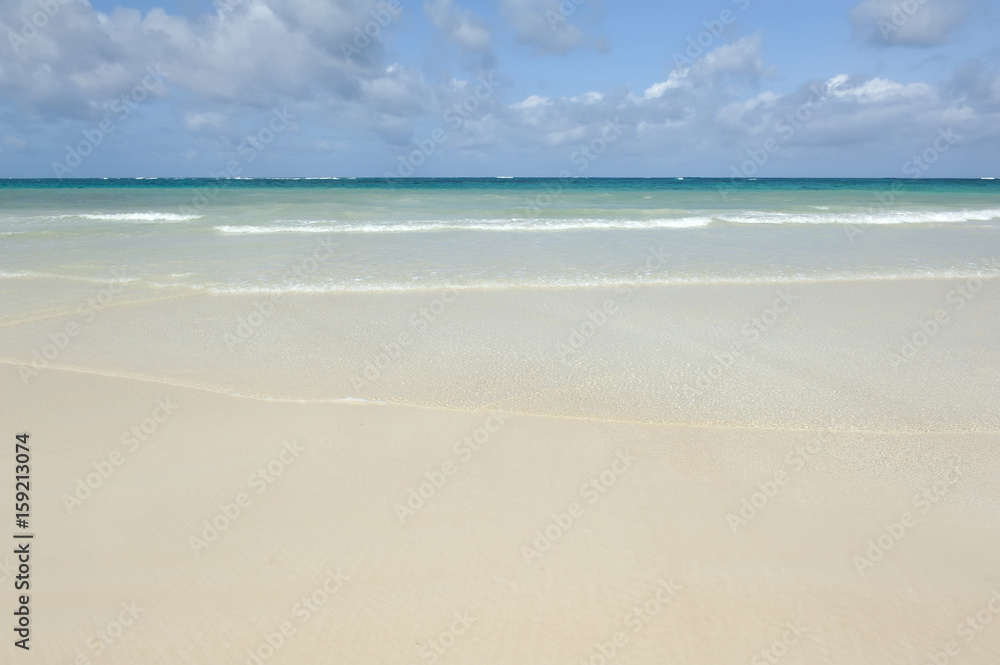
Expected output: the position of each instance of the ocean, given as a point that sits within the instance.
(260, 235)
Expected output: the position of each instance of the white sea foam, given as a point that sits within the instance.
(865, 218)
(584, 224)
(498, 225)
(29, 274)
(137, 216)
(552, 225)
(573, 283)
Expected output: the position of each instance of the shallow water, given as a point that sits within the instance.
(249, 236)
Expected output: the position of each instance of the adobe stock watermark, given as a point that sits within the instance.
(227, 6)
(248, 150)
(256, 143)
(561, 522)
(752, 330)
(699, 45)
(920, 163)
(131, 440)
(784, 130)
(366, 34)
(120, 109)
(900, 16)
(884, 200)
(248, 326)
(970, 628)
(420, 321)
(597, 318)
(86, 312)
(260, 481)
(566, 9)
(455, 117)
(635, 620)
(582, 158)
(438, 645)
(112, 632)
(894, 532)
(114, 629)
(461, 112)
(967, 630)
(927, 329)
(434, 480)
(38, 20)
(796, 460)
(915, 167)
(304, 609)
(780, 647)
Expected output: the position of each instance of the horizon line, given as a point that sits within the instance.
(556, 177)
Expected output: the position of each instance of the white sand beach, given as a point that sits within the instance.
(819, 504)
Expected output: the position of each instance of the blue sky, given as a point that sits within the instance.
(498, 87)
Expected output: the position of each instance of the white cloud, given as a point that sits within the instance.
(879, 90)
(531, 102)
(399, 92)
(11, 141)
(657, 90)
(254, 54)
(705, 110)
(460, 25)
(222, 69)
(741, 57)
(919, 23)
(208, 120)
(591, 97)
(975, 85)
(548, 26)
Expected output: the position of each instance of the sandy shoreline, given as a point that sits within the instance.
(657, 530)
(889, 355)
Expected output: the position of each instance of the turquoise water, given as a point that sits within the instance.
(325, 235)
